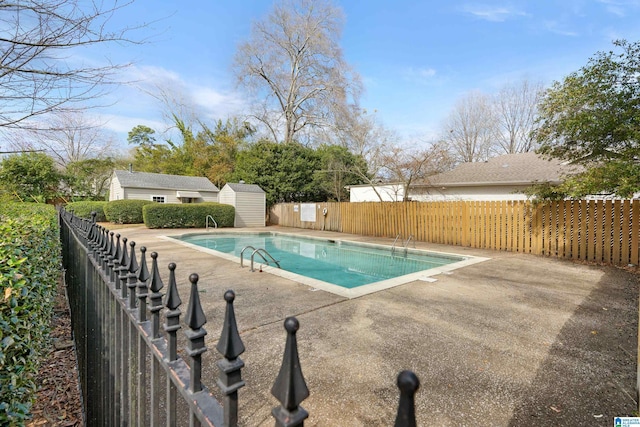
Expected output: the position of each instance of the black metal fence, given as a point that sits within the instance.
(130, 370)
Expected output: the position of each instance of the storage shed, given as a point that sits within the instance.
(249, 201)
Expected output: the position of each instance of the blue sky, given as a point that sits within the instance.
(416, 58)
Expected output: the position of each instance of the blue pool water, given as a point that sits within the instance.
(340, 263)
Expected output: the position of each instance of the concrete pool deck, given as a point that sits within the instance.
(517, 340)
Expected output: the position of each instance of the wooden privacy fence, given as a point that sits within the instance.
(593, 230)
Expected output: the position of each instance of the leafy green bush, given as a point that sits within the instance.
(29, 273)
(83, 209)
(187, 216)
(125, 211)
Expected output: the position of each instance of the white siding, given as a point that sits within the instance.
(250, 207)
(170, 195)
(227, 196)
(470, 193)
(209, 196)
(250, 210)
(147, 193)
(116, 192)
(367, 193)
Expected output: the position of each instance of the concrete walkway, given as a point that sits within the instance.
(517, 340)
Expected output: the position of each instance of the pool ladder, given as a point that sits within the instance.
(215, 224)
(260, 251)
(405, 246)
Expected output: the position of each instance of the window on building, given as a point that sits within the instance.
(158, 199)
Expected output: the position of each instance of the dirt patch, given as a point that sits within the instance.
(58, 400)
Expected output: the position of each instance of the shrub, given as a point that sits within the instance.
(29, 273)
(125, 211)
(84, 209)
(188, 215)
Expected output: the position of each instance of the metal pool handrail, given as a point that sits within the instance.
(212, 220)
(262, 252)
(406, 245)
(258, 251)
(393, 247)
(242, 254)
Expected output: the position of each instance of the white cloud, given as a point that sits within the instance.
(420, 75)
(492, 13)
(557, 28)
(620, 7)
(122, 124)
(216, 103)
(153, 93)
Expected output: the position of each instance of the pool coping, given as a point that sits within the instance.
(316, 284)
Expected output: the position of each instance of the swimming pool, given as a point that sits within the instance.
(346, 268)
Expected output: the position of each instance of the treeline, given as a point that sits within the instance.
(223, 153)
(226, 153)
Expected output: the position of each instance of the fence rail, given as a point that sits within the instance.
(605, 231)
(130, 370)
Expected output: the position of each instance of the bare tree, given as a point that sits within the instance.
(359, 132)
(40, 70)
(516, 110)
(407, 165)
(68, 137)
(293, 64)
(470, 127)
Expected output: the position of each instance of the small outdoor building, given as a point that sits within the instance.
(500, 178)
(161, 188)
(249, 201)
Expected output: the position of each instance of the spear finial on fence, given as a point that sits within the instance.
(93, 239)
(172, 298)
(132, 266)
(124, 257)
(104, 239)
(172, 316)
(96, 242)
(132, 278)
(91, 235)
(115, 247)
(124, 269)
(143, 291)
(408, 384)
(116, 263)
(290, 388)
(106, 248)
(231, 347)
(156, 297)
(195, 319)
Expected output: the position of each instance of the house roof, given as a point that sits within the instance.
(521, 168)
(158, 180)
(244, 188)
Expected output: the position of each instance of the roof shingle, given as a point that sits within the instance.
(521, 168)
(245, 188)
(170, 182)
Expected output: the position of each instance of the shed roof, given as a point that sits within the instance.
(521, 168)
(129, 179)
(244, 188)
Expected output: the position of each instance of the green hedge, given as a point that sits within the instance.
(30, 268)
(83, 209)
(192, 215)
(125, 211)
